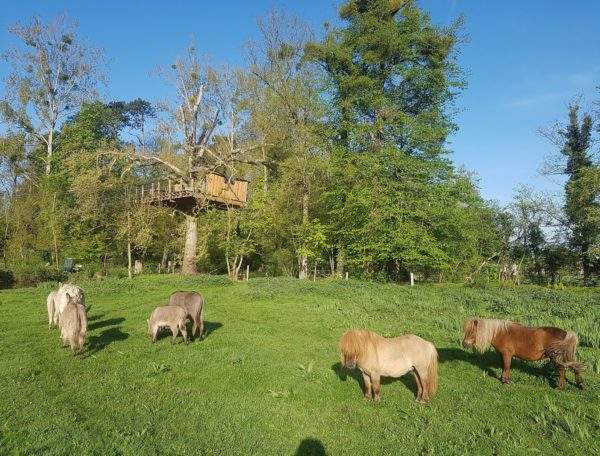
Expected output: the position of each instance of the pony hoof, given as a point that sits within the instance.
(580, 386)
(367, 398)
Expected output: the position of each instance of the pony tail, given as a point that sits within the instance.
(82, 330)
(563, 352)
(432, 371)
(571, 342)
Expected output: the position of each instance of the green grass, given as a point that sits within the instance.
(266, 379)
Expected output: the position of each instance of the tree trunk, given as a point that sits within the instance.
(303, 274)
(49, 150)
(191, 244)
(129, 259)
(265, 175)
(163, 262)
(53, 225)
(341, 261)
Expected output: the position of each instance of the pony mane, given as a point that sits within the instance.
(485, 331)
(354, 343)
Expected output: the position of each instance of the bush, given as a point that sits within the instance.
(27, 275)
(7, 279)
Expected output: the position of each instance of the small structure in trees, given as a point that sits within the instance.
(214, 190)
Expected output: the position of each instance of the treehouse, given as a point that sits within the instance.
(215, 190)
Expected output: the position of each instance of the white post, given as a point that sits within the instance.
(412, 279)
(247, 272)
(346, 275)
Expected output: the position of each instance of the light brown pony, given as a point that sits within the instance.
(193, 304)
(377, 357)
(73, 323)
(513, 339)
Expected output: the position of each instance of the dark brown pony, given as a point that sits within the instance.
(532, 344)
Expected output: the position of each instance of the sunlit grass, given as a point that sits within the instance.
(266, 379)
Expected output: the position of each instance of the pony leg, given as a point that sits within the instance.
(506, 360)
(578, 378)
(419, 386)
(175, 331)
(561, 376)
(376, 386)
(183, 330)
(367, 387)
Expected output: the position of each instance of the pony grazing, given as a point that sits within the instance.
(73, 324)
(193, 304)
(532, 344)
(65, 293)
(377, 357)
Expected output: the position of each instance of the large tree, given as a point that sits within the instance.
(581, 190)
(396, 203)
(281, 98)
(53, 73)
(202, 104)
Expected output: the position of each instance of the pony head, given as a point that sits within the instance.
(352, 345)
(480, 332)
(469, 332)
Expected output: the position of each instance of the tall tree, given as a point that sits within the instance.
(396, 204)
(282, 99)
(53, 72)
(393, 75)
(580, 199)
(202, 103)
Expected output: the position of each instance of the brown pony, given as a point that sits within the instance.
(513, 339)
(377, 357)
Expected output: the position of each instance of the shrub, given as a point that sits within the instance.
(7, 279)
(30, 274)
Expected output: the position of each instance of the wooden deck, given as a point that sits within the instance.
(215, 190)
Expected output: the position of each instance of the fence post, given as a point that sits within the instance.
(346, 275)
(412, 279)
(247, 272)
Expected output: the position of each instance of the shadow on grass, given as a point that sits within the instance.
(104, 323)
(310, 447)
(106, 337)
(408, 379)
(210, 327)
(94, 317)
(490, 359)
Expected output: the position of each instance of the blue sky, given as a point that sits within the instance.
(524, 62)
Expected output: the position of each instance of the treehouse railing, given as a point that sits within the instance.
(215, 189)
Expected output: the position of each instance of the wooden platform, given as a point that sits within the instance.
(215, 190)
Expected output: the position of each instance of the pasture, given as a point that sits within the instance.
(266, 378)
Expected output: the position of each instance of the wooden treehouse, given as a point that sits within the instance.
(215, 190)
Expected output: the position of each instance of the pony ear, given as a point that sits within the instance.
(68, 295)
(475, 322)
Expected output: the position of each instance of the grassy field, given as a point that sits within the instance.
(266, 378)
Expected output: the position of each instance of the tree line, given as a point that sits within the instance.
(343, 137)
